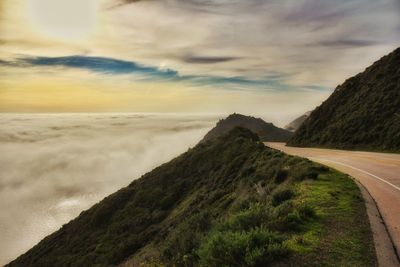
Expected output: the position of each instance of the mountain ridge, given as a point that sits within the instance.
(360, 114)
(266, 131)
(296, 123)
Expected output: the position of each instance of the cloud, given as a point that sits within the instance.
(5, 63)
(314, 11)
(271, 81)
(348, 43)
(55, 166)
(98, 64)
(207, 60)
(319, 43)
(214, 44)
(131, 1)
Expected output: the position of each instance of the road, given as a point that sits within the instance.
(379, 173)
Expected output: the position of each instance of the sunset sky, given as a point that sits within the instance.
(276, 59)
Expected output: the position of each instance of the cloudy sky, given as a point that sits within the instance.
(275, 59)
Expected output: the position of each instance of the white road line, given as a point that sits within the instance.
(349, 166)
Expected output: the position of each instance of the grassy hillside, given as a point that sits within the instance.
(266, 131)
(363, 113)
(227, 202)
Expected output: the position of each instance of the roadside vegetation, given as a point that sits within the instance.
(230, 201)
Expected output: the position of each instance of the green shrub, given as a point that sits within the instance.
(256, 247)
(288, 217)
(304, 171)
(254, 216)
(180, 244)
(306, 211)
(293, 220)
(281, 176)
(320, 168)
(312, 175)
(282, 195)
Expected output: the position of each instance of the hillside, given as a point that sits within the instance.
(362, 113)
(266, 131)
(227, 202)
(296, 123)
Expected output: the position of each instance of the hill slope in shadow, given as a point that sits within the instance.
(266, 131)
(363, 113)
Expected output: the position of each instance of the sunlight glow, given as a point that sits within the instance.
(66, 20)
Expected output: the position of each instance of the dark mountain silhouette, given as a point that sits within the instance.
(266, 131)
(227, 202)
(295, 124)
(363, 113)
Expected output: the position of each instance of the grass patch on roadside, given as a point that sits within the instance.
(340, 235)
(319, 221)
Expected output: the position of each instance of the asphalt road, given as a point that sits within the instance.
(378, 172)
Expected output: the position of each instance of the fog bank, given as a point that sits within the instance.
(53, 166)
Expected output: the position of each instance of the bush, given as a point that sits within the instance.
(306, 211)
(281, 176)
(252, 217)
(257, 247)
(313, 175)
(181, 243)
(320, 168)
(288, 217)
(282, 195)
(293, 220)
(304, 171)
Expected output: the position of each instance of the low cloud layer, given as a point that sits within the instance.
(55, 166)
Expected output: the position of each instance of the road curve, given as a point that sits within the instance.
(379, 173)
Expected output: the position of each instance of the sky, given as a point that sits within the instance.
(274, 59)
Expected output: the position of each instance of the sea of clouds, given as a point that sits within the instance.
(53, 166)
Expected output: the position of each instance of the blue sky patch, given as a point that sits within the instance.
(110, 66)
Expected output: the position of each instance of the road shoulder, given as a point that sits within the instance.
(385, 252)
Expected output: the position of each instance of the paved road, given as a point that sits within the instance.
(378, 172)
